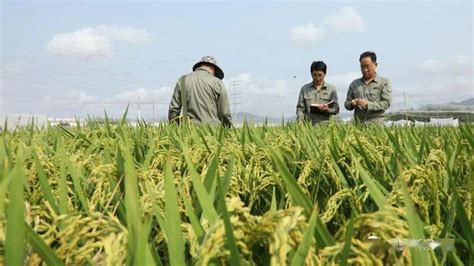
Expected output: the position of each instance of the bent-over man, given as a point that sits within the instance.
(201, 95)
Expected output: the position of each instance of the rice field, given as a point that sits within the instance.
(112, 194)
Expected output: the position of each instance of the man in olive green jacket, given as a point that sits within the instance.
(318, 99)
(206, 97)
(369, 96)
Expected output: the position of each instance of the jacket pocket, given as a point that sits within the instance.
(374, 95)
(325, 98)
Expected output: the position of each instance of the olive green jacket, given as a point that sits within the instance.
(378, 92)
(206, 98)
(309, 95)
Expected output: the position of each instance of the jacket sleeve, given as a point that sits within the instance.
(334, 110)
(385, 98)
(223, 109)
(175, 104)
(300, 107)
(349, 98)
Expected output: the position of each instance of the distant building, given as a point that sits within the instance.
(444, 122)
(400, 123)
(433, 122)
(69, 122)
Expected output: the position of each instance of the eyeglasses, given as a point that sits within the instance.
(317, 75)
(367, 66)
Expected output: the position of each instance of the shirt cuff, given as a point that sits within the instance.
(370, 106)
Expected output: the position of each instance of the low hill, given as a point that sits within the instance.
(465, 105)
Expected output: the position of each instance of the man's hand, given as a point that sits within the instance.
(362, 103)
(324, 107)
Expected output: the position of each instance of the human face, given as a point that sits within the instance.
(368, 68)
(318, 77)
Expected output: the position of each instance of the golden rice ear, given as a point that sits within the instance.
(177, 120)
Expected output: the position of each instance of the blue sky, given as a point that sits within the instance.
(77, 58)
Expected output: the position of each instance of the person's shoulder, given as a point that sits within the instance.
(356, 82)
(207, 77)
(188, 75)
(382, 79)
(219, 82)
(307, 86)
(330, 87)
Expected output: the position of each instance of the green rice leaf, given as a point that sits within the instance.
(372, 185)
(173, 220)
(229, 232)
(303, 247)
(15, 237)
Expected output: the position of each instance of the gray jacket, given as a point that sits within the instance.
(207, 99)
(309, 95)
(379, 94)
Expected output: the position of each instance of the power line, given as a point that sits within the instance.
(123, 76)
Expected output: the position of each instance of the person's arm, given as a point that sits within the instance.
(350, 96)
(300, 107)
(334, 110)
(175, 104)
(223, 109)
(385, 99)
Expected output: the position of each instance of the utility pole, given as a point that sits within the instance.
(405, 103)
(139, 110)
(234, 93)
(153, 110)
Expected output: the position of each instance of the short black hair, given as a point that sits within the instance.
(318, 66)
(370, 54)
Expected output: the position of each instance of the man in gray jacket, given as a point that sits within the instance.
(370, 95)
(206, 97)
(318, 99)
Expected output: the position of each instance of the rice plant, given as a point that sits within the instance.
(112, 194)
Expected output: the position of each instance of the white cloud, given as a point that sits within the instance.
(305, 35)
(260, 86)
(84, 43)
(262, 96)
(455, 71)
(84, 97)
(95, 42)
(342, 81)
(162, 95)
(82, 104)
(73, 97)
(346, 20)
(245, 77)
(430, 65)
(133, 96)
(423, 93)
(125, 34)
(455, 65)
(439, 81)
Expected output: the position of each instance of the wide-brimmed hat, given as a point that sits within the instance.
(210, 60)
